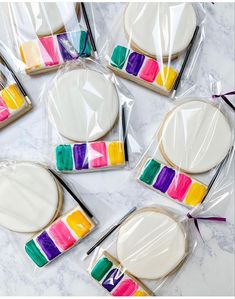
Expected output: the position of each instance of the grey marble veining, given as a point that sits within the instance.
(209, 269)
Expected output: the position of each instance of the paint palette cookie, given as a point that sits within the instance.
(190, 137)
(151, 244)
(83, 105)
(13, 104)
(45, 18)
(30, 198)
(160, 29)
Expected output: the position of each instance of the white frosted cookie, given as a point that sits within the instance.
(151, 244)
(195, 136)
(160, 29)
(29, 197)
(83, 105)
(46, 18)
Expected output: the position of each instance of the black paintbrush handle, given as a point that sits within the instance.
(124, 131)
(177, 82)
(66, 187)
(88, 27)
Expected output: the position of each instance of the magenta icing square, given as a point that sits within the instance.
(98, 154)
(150, 70)
(4, 112)
(179, 187)
(61, 235)
(48, 50)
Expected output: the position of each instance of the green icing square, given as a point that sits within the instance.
(35, 254)
(149, 172)
(64, 158)
(119, 56)
(101, 268)
(87, 51)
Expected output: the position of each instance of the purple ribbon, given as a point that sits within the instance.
(223, 96)
(195, 219)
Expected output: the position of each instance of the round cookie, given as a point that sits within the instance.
(190, 137)
(30, 198)
(47, 18)
(83, 105)
(160, 29)
(151, 244)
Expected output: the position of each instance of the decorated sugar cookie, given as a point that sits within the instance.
(160, 29)
(30, 198)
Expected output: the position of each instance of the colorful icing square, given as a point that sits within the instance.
(126, 288)
(134, 63)
(30, 54)
(82, 43)
(112, 279)
(116, 153)
(4, 112)
(179, 187)
(62, 235)
(140, 293)
(80, 156)
(48, 246)
(35, 254)
(119, 56)
(64, 158)
(149, 70)
(98, 155)
(101, 268)
(48, 50)
(195, 194)
(13, 97)
(67, 51)
(166, 77)
(164, 179)
(79, 223)
(149, 172)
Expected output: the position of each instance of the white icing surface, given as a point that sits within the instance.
(162, 29)
(48, 17)
(150, 244)
(28, 197)
(83, 105)
(196, 136)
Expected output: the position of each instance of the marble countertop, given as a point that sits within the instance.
(210, 269)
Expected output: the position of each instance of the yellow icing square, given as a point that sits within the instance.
(195, 194)
(13, 97)
(166, 77)
(30, 54)
(79, 223)
(116, 153)
(140, 293)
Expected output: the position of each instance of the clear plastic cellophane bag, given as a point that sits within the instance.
(88, 125)
(156, 45)
(142, 254)
(43, 215)
(39, 37)
(192, 149)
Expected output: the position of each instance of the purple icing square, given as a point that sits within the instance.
(164, 179)
(134, 63)
(48, 246)
(80, 156)
(112, 279)
(67, 50)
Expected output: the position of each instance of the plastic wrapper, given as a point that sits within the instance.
(43, 36)
(156, 45)
(191, 149)
(43, 214)
(89, 114)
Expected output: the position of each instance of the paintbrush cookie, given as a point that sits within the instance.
(160, 29)
(83, 105)
(191, 136)
(30, 197)
(151, 244)
(45, 18)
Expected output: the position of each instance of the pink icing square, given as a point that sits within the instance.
(98, 155)
(179, 187)
(62, 235)
(4, 112)
(149, 70)
(48, 51)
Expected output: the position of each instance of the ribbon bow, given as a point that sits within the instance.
(195, 219)
(223, 96)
